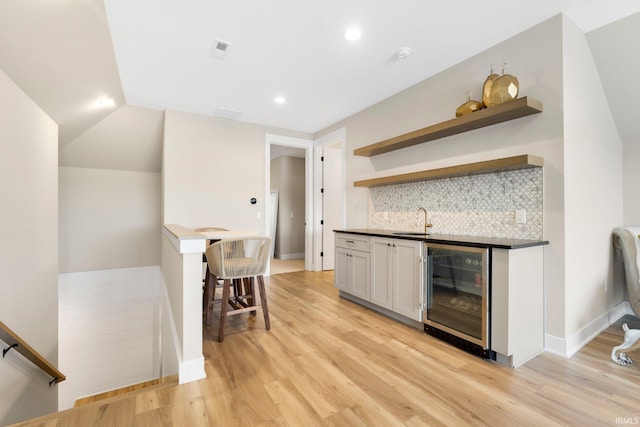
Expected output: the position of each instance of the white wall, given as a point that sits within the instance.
(108, 219)
(211, 169)
(631, 182)
(29, 250)
(593, 187)
(535, 57)
(109, 331)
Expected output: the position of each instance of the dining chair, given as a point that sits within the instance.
(240, 262)
(209, 286)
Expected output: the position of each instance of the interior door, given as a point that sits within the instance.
(332, 209)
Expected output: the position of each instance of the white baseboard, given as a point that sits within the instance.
(571, 345)
(299, 255)
(191, 370)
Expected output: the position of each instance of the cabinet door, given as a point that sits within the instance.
(360, 274)
(408, 279)
(341, 273)
(382, 272)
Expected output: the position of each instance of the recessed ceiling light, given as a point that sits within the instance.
(279, 100)
(353, 34)
(403, 52)
(106, 102)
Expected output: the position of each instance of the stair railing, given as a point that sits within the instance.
(18, 344)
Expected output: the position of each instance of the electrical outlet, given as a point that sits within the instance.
(521, 216)
(385, 216)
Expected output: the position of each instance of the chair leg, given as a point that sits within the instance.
(251, 285)
(207, 301)
(226, 289)
(263, 300)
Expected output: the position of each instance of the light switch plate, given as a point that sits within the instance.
(521, 216)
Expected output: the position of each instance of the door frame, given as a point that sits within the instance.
(307, 144)
(337, 137)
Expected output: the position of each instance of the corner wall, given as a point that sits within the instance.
(593, 192)
(212, 168)
(29, 251)
(109, 219)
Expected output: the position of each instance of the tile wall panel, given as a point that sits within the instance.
(477, 205)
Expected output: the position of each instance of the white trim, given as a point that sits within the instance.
(191, 370)
(570, 346)
(299, 255)
(336, 136)
(188, 245)
(307, 144)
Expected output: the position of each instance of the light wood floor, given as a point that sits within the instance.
(279, 266)
(329, 362)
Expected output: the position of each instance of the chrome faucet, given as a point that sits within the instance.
(427, 224)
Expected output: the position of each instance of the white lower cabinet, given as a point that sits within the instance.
(388, 273)
(352, 265)
(396, 276)
(517, 304)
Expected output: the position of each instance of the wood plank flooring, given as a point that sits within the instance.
(329, 362)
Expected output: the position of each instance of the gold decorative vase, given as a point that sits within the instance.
(486, 87)
(469, 106)
(503, 89)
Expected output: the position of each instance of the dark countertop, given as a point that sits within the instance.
(451, 239)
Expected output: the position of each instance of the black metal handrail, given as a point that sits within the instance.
(19, 345)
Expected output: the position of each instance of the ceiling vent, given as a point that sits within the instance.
(227, 114)
(219, 50)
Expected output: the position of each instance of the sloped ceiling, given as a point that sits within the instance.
(128, 139)
(60, 53)
(616, 49)
(150, 55)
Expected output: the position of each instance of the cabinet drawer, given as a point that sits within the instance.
(353, 241)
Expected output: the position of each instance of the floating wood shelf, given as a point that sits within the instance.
(19, 345)
(524, 161)
(489, 116)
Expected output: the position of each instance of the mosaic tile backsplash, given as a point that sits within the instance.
(477, 205)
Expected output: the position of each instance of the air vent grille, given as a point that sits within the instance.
(219, 49)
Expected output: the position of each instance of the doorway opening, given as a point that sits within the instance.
(288, 192)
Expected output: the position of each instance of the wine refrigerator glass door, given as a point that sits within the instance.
(457, 291)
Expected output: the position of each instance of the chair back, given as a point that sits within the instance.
(236, 258)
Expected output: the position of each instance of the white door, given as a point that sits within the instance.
(331, 202)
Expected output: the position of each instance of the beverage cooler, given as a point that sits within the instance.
(457, 297)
